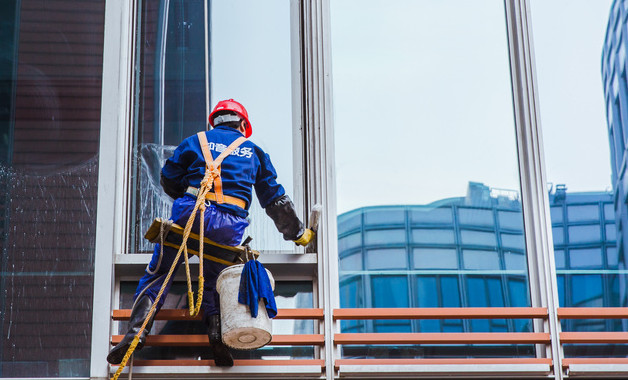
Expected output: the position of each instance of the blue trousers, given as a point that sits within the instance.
(220, 226)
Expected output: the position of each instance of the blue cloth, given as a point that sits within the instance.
(255, 285)
(220, 226)
(246, 167)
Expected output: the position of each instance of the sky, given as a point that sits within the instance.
(423, 100)
(422, 93)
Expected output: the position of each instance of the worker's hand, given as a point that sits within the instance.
(306, 237)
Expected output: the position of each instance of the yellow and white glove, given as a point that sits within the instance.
(306, 237)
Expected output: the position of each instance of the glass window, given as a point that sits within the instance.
(515, 261)
(556, 214)
(558, 235)
(559, 258)
(432, 215)
(609, 212)
(385, 216)
(390, 291)
(427, 296)
(583, 213)
(612, 257)
(457, 137)
(478, 238)
(51, 68)
(611, 232)
(585, 258)
(587, 290)
(351, 262)
(435, 258)
(348, 222)
(585, 164)
(387, 259)
(385, 237)
(349, 242)
(584, 234)
(510, 220)
(513, 241)
(475, 216)
(474, 259)
(247, 58)
(432, 236)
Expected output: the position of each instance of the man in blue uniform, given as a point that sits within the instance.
(244, 168)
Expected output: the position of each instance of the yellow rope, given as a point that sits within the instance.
(188, 277)
(205, 187)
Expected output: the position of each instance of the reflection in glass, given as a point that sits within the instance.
(51, 67)
(248, 55)
(583, 165)
(447, 140)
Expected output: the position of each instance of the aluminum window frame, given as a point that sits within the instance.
(312, 91)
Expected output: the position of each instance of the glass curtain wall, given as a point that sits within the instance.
(428, 191)
(582, 112)
(249, 45)
(50, 98)
(249, 50)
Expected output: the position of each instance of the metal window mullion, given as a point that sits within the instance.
(113, 162)
(319, 155)
(537, 225)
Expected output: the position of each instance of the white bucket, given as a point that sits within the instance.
(239, 329)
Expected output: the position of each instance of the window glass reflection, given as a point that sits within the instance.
(478, 238)
(385, 216)
(387, 259)
(473, 259)
(435, 258)
(583, 213)
(585, 258)
(584, 234)
(432, 215)
(51, 70)
(513, 241)
(385, 236)
(249, 54)
(433, 236)
(510, 220)
(515, 261)
(584, 186)
(438, 193)
(477, 217)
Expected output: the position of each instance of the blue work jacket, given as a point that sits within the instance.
(246, 167)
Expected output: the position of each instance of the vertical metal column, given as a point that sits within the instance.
(113, 158)
(535, 201)
(319, 156)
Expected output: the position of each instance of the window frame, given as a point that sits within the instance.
(312, 92)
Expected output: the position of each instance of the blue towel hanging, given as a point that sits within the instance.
(255, 285)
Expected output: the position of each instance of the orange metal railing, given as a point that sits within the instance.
(509, 338)
(593, 337)
(202, 340)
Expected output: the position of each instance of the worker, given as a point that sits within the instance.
(247, 166)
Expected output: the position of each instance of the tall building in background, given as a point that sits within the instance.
(470, 252)
(616, 97)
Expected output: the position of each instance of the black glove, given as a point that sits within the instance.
(282, 212)
(172, 188)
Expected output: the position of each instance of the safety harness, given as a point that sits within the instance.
(211, 179)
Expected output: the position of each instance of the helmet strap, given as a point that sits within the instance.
(221, 119)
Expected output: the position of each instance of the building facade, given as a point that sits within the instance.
(96, 94)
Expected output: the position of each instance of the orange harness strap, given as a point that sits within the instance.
(214, 165)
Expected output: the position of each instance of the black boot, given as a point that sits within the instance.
(138, 315)
(222, 355)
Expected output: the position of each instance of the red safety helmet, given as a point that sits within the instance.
(233, 106)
